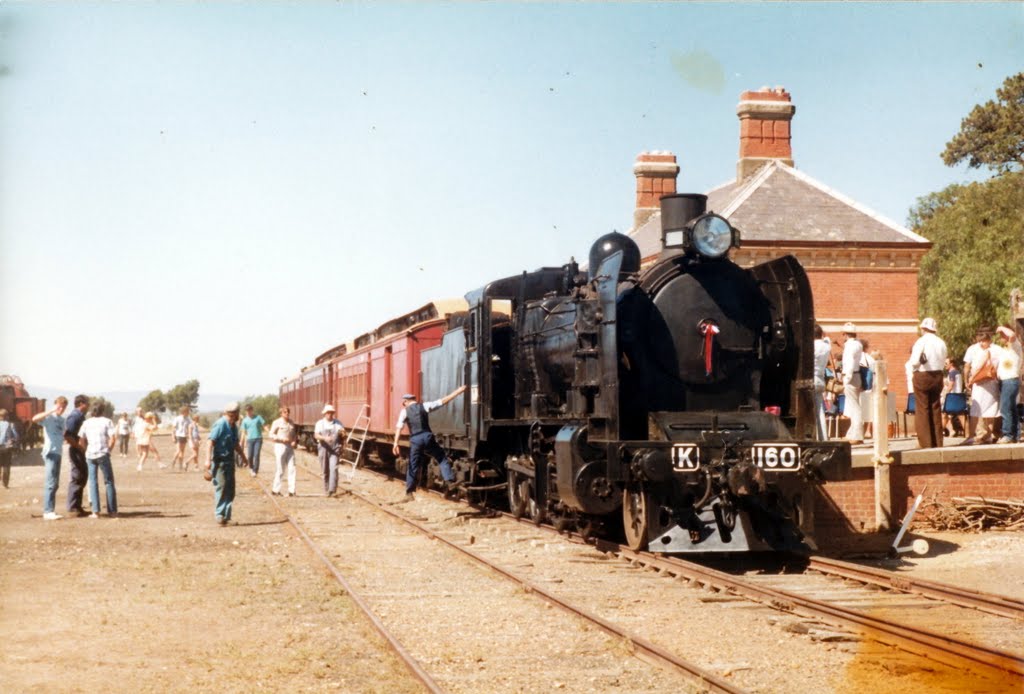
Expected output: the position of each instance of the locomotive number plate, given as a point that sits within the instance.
(779, 457)
(685, 457)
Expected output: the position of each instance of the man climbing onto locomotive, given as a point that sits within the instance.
(421, 439)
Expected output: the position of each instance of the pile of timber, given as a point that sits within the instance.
(973, 513)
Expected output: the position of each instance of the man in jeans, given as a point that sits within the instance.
(53, 424)
(220, 461)
(1008, 372)
(252, 435)
(421, 440)
(99, 435)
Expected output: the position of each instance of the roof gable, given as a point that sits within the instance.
(781, 204)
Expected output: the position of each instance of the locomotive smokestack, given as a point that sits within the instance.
(678, 210)
(655, 176)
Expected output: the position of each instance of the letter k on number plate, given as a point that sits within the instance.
(685, 457)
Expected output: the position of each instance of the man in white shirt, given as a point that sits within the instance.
(329, 433)
(284, 434)
(99, 435)
(180, 425)
(853, 354)
(927, 359)
(421, 439)
(822, 351)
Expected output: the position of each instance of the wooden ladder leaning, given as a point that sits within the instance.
(350, 454)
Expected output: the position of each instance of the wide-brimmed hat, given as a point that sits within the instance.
(930, 325)
(849, 327)
(328, 408)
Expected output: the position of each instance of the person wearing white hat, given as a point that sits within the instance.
(925, 368)
(329, 432)
(853, 354)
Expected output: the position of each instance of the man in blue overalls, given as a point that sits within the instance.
(421, 438)
(220, 461)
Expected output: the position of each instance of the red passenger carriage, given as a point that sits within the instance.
(374, 370)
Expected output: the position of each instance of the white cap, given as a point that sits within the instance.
(327, 408)
(849, 327)
(929, 325)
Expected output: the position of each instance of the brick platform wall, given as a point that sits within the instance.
(848, 508)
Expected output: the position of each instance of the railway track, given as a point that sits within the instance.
(877, 623)
(377, 599)
(992, 603)
(996, 668)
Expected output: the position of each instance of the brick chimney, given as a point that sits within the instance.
(655, 176)
(764, 129)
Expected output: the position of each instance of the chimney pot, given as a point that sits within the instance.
(656, 172)
(765, 133)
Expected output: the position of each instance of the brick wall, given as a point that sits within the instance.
(848, 508)
(872, 299)
(860, 293)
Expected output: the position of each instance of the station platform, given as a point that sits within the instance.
(851, 507)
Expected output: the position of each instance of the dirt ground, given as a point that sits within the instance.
(163, 599)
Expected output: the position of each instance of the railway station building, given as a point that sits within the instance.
(862, 267)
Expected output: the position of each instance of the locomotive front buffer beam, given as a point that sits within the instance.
(696, 497)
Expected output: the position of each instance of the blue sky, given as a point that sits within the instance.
(222, 191)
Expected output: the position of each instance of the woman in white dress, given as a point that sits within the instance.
(984, 388)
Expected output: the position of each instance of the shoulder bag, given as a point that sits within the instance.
(987, 372)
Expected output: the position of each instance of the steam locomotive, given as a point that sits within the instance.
(673, 404)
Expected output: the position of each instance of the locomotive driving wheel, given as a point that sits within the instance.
(520, 498)
(518, 493)
(638, 512)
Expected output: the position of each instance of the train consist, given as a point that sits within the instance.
(21, 407)
(673, 404)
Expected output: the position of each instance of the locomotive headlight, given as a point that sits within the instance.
(712, 236)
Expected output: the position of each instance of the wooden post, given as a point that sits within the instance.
(881, 458)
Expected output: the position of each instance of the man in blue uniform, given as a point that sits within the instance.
(221, 463)
(421, 438)
(79, 473)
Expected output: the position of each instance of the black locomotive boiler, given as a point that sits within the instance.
(677, 398)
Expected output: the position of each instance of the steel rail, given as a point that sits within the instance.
(951, 651)
(991, 603)
(410, 662)
(648, 649)
(654, 653)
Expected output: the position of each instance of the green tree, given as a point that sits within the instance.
(154, 402)
(992, 135)
(978, 255)
(182, 395)
(108, 407)
(266, 406)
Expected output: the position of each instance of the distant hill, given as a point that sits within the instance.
(127, 400)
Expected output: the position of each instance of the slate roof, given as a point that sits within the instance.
(781, 204)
